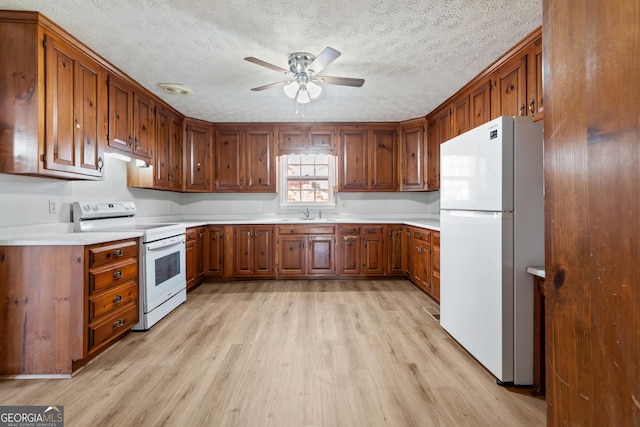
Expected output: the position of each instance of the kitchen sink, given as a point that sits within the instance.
(306, 220)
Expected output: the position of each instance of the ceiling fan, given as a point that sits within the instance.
(304, 68)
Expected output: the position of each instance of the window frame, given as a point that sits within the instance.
(283, 180)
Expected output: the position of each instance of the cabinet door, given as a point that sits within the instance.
(197, 149)
(292, 139)
(460, 116)
(162, 156)
(510, 88)
(292, 255)
(396, 260)
(263, 250)
(120, 114)
(228, 160)
(143, 125)
(199, 254)
(320, 255)
(480, 103)
(435, 266)
(350, 255)
(421, 265)
(213, 251)
(259, 166)
(190, 258)
(321, 138)
(73, 119)
(413, 152)
(353, 160)
(534, 81)
(439, 132)
(175, 152)
(244, 242)
(373, 251)
(383, 169)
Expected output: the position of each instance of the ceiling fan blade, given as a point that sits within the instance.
(343, 81)
(267, 65)
(326, 57)
(269, 86)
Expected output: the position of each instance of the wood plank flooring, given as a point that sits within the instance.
(287, 353)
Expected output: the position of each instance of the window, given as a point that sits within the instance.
(307, 180)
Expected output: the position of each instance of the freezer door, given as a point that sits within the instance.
(476, 168)
(476, 286)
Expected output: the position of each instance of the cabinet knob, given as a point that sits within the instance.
(118, 323)
(117, 299)
(117, 253)
(117, 274)
(522, 110)
(532, 106)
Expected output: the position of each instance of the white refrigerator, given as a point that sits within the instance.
(492, 229)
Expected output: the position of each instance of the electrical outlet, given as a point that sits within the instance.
(53, 206)
(259, 207)
(170, 206)
(343, 204)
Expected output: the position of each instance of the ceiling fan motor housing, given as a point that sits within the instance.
(299, 61)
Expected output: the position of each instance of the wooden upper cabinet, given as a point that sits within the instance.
(259, 161)
(197, 153)
(301, 139)
(510, 88)
(131, 120)
(460, 115)
(167, 161)
(413, 156)
(53, 101)
(74, 118)
(535, 106)
(353, 159)
(439, 131)
(368, 158)
(244, 160)
(480, 102)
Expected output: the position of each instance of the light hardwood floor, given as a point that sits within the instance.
(287, 353)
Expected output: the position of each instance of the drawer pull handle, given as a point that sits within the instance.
(351, 230)
(351, 240)
(419, 235)
(372, 230)
(119, 323)
(117, 253)
(117, 299)
(117, 274)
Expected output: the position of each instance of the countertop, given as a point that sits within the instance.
(536, 271)
(61, 234)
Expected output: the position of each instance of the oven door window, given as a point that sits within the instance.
(167, 267)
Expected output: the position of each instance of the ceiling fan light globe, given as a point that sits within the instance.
(303, 97)
(291, 89)
(314, 90)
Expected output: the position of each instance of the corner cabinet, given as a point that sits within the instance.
(368, 158)
(413, 156)
(197, 156)
(244, 160)
(53, 101)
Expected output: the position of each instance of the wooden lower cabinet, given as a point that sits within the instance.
(112, 293)
(214, 250)
(194, 251)
(306, 250)
(423, 258)
(362, 250)
(253, 250)
(435, 265)
(395, 251)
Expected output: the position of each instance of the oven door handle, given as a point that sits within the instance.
(160, 244)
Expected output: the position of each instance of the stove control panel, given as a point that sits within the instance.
(98, 210)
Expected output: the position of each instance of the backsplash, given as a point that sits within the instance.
(25, 200)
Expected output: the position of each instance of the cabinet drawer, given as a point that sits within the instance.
(306, 229)
(372, 229)
(111, 275)
(110, 327)
(435, 238)
(349, 230)
(192, 234)
(112, 252)
(114, 298)
(422, 234)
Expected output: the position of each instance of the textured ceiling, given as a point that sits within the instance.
(413, 54)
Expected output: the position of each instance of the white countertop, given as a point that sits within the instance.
(61, 234)
(536, 271)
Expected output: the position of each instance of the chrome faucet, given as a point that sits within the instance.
(305, 212)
